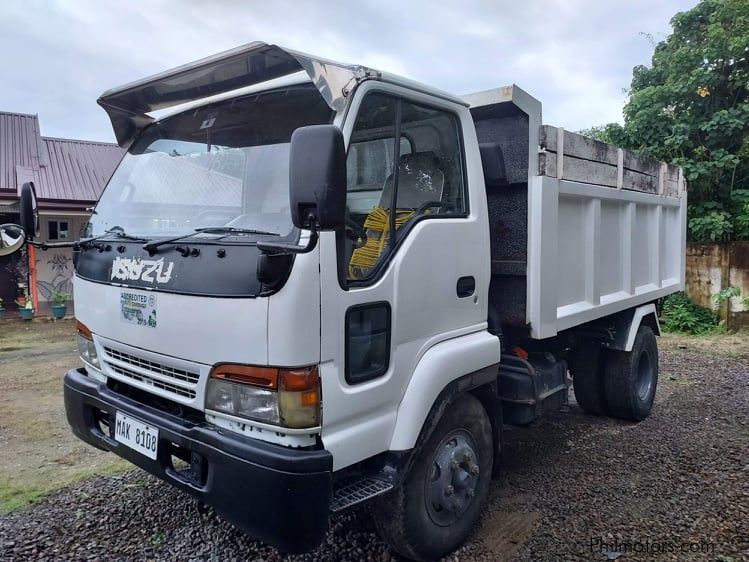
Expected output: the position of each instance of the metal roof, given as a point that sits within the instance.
(77, 170)
(61, 169)
(20, 145)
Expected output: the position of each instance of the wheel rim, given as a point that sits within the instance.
(453, 476)
(644, 376)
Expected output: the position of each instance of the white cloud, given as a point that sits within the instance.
(574, 55)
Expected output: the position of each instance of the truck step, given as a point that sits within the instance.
(355, 490)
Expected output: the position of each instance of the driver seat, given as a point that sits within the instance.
(420, 181)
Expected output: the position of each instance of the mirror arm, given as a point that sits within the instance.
(275, 248)
(46, 245)
(75, 244)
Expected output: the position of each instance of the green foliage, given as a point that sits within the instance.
(728, 293)
(683, 316)
(611, 133)
(691, 107)
(61, 298)
(715, 222)
(711, 223)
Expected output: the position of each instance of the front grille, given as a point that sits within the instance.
(168, 379)
(171, 372)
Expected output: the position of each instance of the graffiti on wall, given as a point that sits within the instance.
(54, 272)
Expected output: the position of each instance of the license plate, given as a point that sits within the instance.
(137, 435)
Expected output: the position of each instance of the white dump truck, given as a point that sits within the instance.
(310, 285)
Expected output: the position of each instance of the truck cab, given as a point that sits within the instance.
(302, 288)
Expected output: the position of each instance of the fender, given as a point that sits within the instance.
(438, 367)
(629, 323)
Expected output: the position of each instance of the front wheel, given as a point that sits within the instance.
(439, 502)
(631, 378)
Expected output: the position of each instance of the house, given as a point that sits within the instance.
(69, 176)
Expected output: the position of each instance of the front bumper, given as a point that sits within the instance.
(278, 495)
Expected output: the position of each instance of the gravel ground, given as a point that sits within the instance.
(679, 480)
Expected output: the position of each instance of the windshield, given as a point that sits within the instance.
(224, 164)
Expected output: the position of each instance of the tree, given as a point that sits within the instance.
(691, 107)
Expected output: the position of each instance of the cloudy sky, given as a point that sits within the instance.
(574, 55)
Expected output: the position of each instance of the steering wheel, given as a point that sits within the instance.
(428, 205)
(356, 230)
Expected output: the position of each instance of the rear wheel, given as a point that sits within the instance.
(631, 378)
(441, 499)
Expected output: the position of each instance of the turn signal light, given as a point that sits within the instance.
(82, 329)
(266, 377)
(86, 347)
(287, 397)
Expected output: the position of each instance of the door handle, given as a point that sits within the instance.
(465, 287)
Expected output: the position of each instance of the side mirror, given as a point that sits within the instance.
(29, 211)
(317, 178)
(12, 239)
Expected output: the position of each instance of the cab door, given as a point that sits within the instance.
(412, 267)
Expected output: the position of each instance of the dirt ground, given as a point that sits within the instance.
(39, 453)
(574, 486)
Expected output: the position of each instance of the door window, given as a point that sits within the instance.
(392, 184)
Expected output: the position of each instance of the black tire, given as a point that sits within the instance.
(631, 378)
(587, 366)
(404, 519)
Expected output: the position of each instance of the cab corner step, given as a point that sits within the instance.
(352, 491)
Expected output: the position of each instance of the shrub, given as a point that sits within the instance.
(683, 316)
(714, 226)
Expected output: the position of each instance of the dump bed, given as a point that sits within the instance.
(582, 229)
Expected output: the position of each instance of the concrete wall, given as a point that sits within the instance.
(714, 267)
(54, 267)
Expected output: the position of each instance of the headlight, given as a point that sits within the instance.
(243, 401)
(86, 346)
(285, 397)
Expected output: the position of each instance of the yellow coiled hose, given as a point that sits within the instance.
(377, 226)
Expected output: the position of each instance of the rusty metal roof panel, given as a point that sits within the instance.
(61, 169)
(19, 146)
(77, 170)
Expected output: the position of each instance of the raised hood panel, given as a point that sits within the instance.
(128, 106)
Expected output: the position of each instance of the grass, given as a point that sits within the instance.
(39, 452)
(15, 496)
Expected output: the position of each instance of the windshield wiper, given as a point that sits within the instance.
(120, 233)
(223, 230)
(233, 230)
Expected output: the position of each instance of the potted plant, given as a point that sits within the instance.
(21, 295)
(60, 304)
(27, 311)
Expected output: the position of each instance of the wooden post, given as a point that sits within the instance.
(619, 168)
(662, 178)
(32, 275)
(560, 153)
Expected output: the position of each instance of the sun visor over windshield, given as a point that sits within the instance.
(128, 106)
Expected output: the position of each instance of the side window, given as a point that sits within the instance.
(58, 230)
(391, 184)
